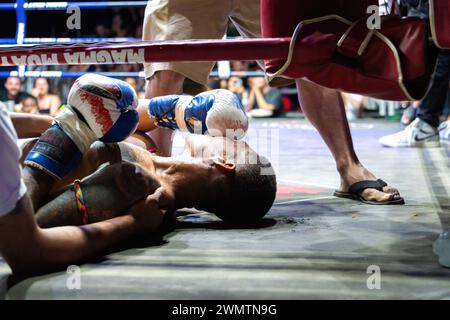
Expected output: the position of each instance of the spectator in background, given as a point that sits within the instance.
(354, 105)
(213, 83)
(101, 31)
(139, 31)
(30, 105)
(264, 101)
(410, 112)
(447, 106)
(117, 27)
(236, 85)
(425, 130)
(86, 68)
(240, 65)
(223, 84)
(12, 96)
(48, 103)
(444, 128)
(134, 83)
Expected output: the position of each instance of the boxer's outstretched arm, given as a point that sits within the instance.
(38, 251)
(30, 125)
(107, 193)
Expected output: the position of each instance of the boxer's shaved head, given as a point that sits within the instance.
(249, 193)
(240, 193)
(243, 185)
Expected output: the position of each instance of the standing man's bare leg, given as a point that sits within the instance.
(160, 84)
(325, 110)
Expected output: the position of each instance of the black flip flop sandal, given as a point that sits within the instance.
(355, 190)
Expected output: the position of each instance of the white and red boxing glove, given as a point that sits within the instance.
(98, 108)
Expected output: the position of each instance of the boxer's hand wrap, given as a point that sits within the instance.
(168, 111)
(213, 112)
(55, 153)
(98, 108)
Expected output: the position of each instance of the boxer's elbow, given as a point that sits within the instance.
(20, 267)
(22, 263)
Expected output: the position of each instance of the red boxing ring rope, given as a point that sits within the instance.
(145, 51)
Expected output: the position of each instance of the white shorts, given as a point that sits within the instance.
(197, 19)
(12, 187)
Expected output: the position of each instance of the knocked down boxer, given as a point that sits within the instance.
(233, 170)
(132, 190)
(214, 174)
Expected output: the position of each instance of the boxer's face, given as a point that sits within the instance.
(196, 182)
(205, 147)
(206, 170)
(209, 163)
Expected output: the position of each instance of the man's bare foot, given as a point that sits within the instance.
(358, 173)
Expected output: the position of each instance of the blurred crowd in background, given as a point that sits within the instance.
(48, 95)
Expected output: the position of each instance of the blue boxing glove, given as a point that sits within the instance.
(98, 108)
(216, 112)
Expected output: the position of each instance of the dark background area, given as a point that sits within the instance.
(52, 23)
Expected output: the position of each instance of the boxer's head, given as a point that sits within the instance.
(245, 195)
(238, 185)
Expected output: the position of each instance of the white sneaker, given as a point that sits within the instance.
(418, 134)
(444, 130)
(441, 248)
